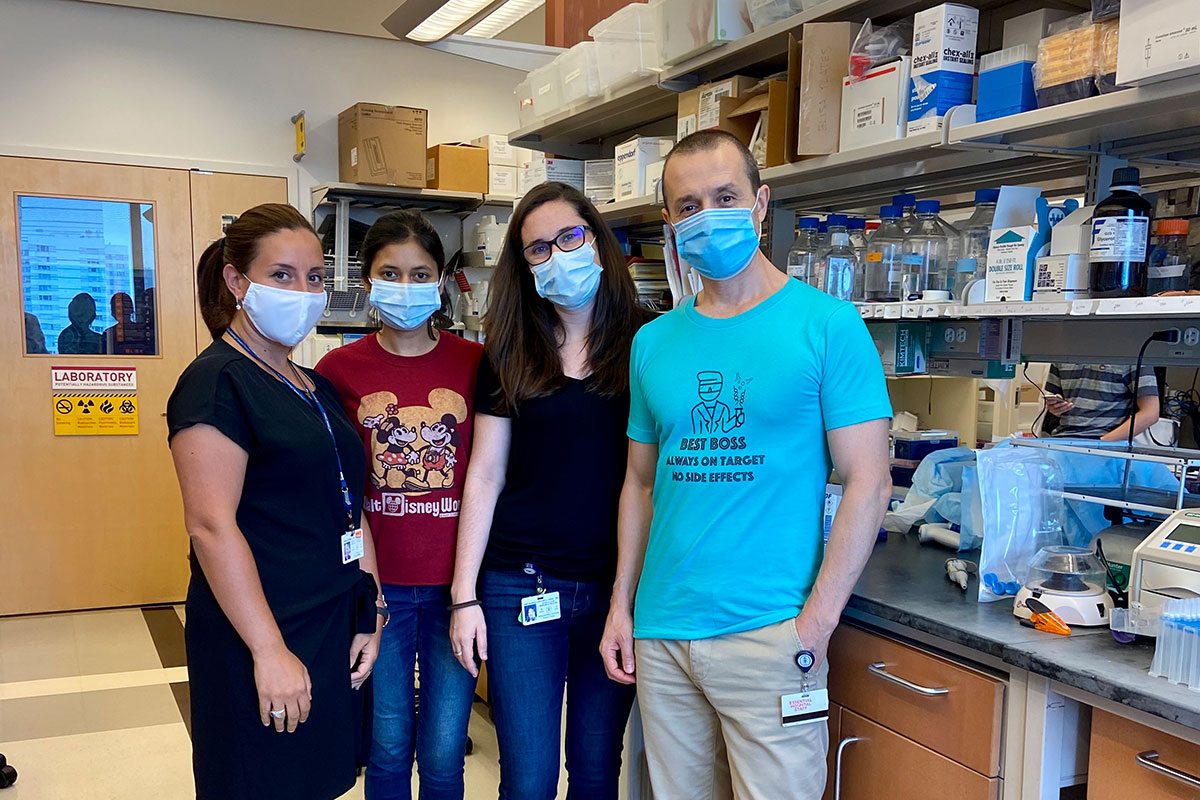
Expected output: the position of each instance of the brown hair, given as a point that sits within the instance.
(524, 330)
(702, 141)
(399, 227)
(238, 247)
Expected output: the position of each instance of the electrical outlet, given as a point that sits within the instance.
(1191, 337)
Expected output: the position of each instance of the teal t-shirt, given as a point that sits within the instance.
(739, 409)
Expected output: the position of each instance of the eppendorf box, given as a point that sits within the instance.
(943, 64)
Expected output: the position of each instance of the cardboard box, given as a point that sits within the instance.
(457, 167)
(502, 181)
(902, 346)
(1031, 28)
(943, 64)
(653, 177)
(875, 108)
(382, 145)
(632, 158)
(700, 108)
(562, 170)
(1010, 265)
(824, 55)
(500, 152)
(599, 179)
(1160, 39)
(1061, 278)
(765, 114)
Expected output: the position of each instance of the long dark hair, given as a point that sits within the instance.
(238, 247)
(523, 329)
(399, 227)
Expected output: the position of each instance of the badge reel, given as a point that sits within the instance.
(809, 704)
(541, 607)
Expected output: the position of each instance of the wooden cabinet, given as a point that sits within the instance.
(880, 763)
(1129, 760)
(916, 725)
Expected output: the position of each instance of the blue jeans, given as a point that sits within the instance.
(528, 667)
(437, 735)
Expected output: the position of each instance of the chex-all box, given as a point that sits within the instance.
(943, 64)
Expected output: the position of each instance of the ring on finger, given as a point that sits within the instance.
(278, 714)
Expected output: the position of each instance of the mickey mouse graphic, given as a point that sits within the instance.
(439, 457)
(399, 454)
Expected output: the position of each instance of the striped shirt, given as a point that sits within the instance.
(1103, 395)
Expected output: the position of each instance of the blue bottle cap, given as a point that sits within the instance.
(928, 206)
(856, 224)
(987, 196)
(808, 222)
(891, 212)
(904, 200)
(836, 219)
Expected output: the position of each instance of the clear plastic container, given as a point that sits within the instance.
(884, 268)
(1061, 569)
(1177, 651)
(692, 27)
(526, 113)
(768, 12)
(926, 254)
(802, 258)
(545, 85)
(580, 75)
(839, 266)
(976, 236)
(629, 45)
(1170, 264)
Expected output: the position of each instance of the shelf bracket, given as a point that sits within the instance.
(341, 243)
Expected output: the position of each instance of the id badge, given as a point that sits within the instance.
(804, 707)
(352, 546)
(539, 608)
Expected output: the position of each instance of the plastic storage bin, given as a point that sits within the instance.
(691, 27)
(768, 12)
(526, 113)
(1006, 83)
(628, 45)
(545, 84)
(580, 77)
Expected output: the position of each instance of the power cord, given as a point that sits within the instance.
(1042, 393)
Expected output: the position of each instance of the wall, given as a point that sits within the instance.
(110, 80)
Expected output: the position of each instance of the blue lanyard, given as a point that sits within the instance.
(311, 400)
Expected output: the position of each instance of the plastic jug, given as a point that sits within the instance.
(802, 257)
(926, 253)
(884, 268)
(976, 236)
(840, 266)
(489, 237)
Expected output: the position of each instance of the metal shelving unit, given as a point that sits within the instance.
(632, 212)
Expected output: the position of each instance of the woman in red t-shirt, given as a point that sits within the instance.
(410, 388)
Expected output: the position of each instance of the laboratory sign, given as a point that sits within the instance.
(94, 401)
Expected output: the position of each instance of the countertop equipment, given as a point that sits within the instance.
(1070, 582)
(1167, 564)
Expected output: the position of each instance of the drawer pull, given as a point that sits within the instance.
(880, 669)
(837, 765)
(1149, 760)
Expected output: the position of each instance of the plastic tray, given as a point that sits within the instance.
(1002, 58)
(629, 45)
(580, 77)
(545, 84)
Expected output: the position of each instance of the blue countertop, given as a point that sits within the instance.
(905, 583)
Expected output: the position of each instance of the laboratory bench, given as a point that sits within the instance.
(934, 694)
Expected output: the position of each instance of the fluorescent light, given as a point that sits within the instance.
(446, 19)
(504, 17)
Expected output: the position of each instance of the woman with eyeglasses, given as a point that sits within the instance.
(537, 539)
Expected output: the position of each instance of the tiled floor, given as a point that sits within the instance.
(93, 706)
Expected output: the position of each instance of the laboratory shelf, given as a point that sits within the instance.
(359, 195)
(1133, 308)
(632, 211)
(1150, 501)
(1171, 456)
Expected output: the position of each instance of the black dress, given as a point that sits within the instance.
(292, 516)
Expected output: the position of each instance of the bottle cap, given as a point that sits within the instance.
(836, 219)
(987, 196)
(904, 200)
(840, 239)
(1172, 227)
(1127, 176)
(856, 224)
(928, 206)
(891, 212)
(808, 222)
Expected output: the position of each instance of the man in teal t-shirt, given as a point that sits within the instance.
(741, 401)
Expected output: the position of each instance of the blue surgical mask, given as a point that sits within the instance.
(569, 280)
(405, 305)
(719, 243)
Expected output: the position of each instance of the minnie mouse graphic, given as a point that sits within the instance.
(399, 454)
(439, 456)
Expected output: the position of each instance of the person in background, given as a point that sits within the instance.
(410, 388)
(282, 627)
(540, 508)
(121, 338)
(721, 527)
(35, 339)
(1100, 401)
(78, 338)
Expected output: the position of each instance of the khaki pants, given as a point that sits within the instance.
(712, 721)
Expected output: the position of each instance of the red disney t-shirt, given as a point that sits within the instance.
(414, 415)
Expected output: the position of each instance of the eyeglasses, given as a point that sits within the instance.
(570, 239)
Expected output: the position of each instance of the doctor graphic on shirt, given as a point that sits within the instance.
(710, 415)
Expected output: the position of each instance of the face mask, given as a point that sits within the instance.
(282, 315)
(569, 280)
(719, 243)
(405, 305)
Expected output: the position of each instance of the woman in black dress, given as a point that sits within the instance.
(282, 628)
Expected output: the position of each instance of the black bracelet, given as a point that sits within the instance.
(461, 606)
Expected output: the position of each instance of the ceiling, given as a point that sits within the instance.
(357, 17)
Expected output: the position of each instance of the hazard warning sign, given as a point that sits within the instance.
(95, 413)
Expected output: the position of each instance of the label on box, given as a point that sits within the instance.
(685, 126)
(354, 156)
(1008, 263)
(868, 115)
(1119, 239)
(430, 169)
(572, 76)
(545, 89)
(710, 104)
(1173, 49)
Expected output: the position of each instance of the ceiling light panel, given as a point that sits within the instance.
(446, 19)
(505, 17)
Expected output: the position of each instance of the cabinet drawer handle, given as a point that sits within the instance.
(880, 669)
(1149, 760)
(837, 765)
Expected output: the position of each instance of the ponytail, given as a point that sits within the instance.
(216, 301)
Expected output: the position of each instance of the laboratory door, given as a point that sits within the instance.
(97, 287)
